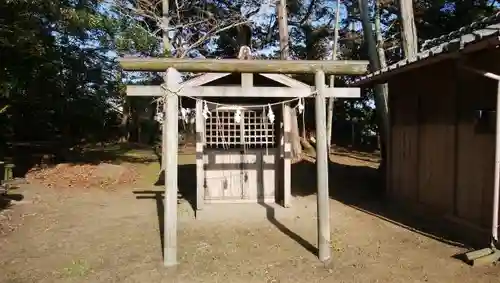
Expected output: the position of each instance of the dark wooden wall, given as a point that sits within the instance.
(442, 156)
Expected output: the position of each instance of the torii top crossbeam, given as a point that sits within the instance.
(244, 66)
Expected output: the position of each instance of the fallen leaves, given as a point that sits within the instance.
(10, 222)
(83, 176)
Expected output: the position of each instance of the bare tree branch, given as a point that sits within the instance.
(309, 12)
(213, 32)
(192, 22)
(331, 100)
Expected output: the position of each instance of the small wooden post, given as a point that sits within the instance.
(171, 149)
(324, 253)
(287, 155)
(200, 180)
(496, 180)
(246, 78)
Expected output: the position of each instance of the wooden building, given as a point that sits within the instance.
(442, 103)
(244, 160)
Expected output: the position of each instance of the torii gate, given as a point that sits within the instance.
(172, 89)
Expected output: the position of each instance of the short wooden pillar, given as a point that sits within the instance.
(200, 141)
(287, 156)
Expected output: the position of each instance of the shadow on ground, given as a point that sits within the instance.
(157, 196)
(360, 187)
(358, 156)
(271, 217)
(6, 200)
(187, 191)
(356, 186)
(186, 183)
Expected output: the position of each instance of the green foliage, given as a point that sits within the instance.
(56, 75)
(133, 39)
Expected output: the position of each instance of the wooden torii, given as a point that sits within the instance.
(172, 90)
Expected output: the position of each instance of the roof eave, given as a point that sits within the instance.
(379, 77)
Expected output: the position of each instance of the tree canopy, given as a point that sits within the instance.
(60, 81)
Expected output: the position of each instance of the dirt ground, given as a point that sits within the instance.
(99, 235)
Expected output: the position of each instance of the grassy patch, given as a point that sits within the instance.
(78, 268)
(118, 153)
(149, 173)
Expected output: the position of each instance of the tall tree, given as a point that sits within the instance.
(282, 15)
(56, 75)
(381, 90)
(409, 31)
(331, 100)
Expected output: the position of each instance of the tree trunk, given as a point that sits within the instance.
(331, 100)
(124, 125)
(377, 59)
(408, 31)
(151, 122)
(378, 36)
(282, 14)
(139, 130)
(384, 147)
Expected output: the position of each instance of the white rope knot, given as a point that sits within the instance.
(170, 92)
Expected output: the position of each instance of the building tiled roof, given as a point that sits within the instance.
(487, 27)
